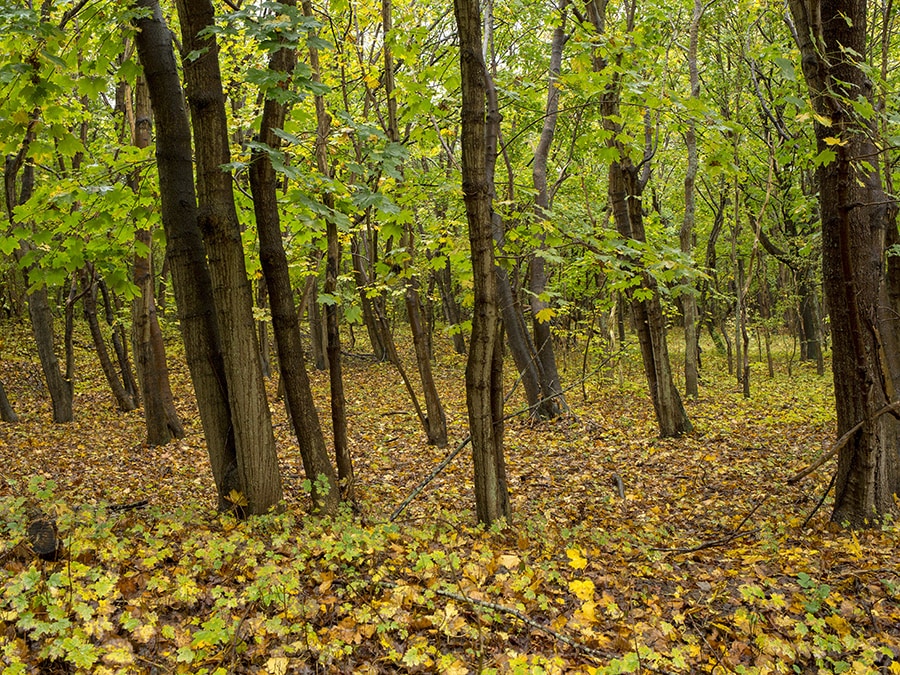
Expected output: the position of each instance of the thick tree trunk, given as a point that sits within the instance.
(855, 212)
(484, 386)
(185, 250)
(217, 217)
(285, 322)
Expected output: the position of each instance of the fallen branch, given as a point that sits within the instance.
(841, 442)
(737, 533)
(521, 616)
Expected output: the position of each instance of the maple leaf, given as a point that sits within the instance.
(582, 588)
(576, 559)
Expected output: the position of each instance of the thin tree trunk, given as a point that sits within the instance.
(332, 269)
(625, 189)
(89, 303)
(686, 238)
(119, 339)
(435, 421)
(217, 217)
(554, 403)
(160, 417)
(318, 338)
(285, 322)
(358, 254)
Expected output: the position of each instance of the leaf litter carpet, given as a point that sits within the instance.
(626, 552)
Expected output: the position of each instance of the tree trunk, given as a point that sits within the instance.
(554, 403)
(452, 315)
(625, 198)
(318, 338)
(435, 421)
(185, 250)
(217, 217)
(160, 417)
(854, 207)
(285, 322)
(119, 339)
(89, 303)
(484, 386)
(60, 387)
(686, 238)
(332, 269)
(7, 414)
(359, 254)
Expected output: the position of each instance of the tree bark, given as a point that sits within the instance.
(554, 403)
(625, 190)
(686, 238)
(435, 421)
(7, 414)
(89, 302)
(185, 250)
(60, 387)
(217, 216)
(332, 267)
(160, 417)
(855, 211)
(484, 386)
(285, 322)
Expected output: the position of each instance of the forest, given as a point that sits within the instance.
(500, 337)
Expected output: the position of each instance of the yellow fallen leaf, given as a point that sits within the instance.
(582, 588)
(576, 560)
(277, 665)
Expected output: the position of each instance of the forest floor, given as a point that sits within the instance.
(706, 563)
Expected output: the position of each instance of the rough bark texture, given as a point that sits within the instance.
(160, 417)
(855, 212)
(484, 387)
(257, 461)
(285, 321)
(185, 251)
